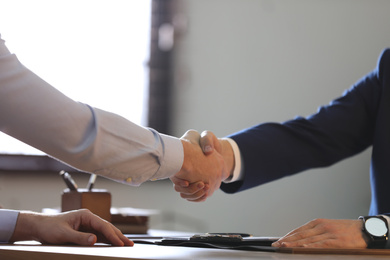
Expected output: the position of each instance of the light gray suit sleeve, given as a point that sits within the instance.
(86, 138)
(8, 220)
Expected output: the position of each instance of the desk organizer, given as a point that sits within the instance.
(97, 201)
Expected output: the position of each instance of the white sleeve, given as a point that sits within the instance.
(86, 138)
(8, 220)
(238, 172)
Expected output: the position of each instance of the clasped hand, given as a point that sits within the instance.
(206, 165)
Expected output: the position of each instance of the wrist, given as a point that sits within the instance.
(228, 156)
(188, 164)
(25, 227)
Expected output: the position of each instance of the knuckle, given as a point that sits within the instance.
(206, 133)
(318, 221)
(85, 211)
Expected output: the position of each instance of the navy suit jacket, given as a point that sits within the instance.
(347, 126)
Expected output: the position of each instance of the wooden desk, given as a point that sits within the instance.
(141, 251)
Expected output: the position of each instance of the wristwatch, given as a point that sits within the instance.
(375, 231)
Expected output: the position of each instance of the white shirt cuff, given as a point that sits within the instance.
(238, 171)
(8, 220)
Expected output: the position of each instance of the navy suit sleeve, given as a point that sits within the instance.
(339, 130)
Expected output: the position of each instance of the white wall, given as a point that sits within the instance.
(240, 63)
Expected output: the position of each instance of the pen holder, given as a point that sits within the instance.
(97, 201)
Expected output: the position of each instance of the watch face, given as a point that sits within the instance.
(376, 227)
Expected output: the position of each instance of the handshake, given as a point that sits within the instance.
(208, 161)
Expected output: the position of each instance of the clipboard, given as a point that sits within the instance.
(247, 242)
(237, 241)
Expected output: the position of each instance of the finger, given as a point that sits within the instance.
(178, 182)
(119, 235)
(305, 230)
(198, 197)
(306, 241)
(126, 241)
(111, 235)
(191, 188)
(209, 142)
(322, 241)
(201, 199)
(195, 196)
(298, 236)
(192, 135)
(299, 232)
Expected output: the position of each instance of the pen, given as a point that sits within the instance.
(68, 180)
(91, 181)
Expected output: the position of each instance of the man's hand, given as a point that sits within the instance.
(204, 167)
(325, 233)
(76, 227)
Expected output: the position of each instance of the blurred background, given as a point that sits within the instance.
(234, 64)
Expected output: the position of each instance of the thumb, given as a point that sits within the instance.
(209, 142)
